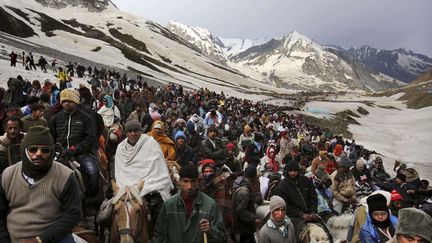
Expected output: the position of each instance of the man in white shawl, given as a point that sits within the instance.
(139, 157)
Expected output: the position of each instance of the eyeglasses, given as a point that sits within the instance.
(34, 149)
(379, 213)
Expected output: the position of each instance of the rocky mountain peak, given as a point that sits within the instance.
(91, 5)
(201, 38)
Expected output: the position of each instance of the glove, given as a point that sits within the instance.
(70, 152)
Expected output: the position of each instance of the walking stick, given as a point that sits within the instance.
(205, 237)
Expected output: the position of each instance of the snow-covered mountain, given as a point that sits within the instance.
(293, 61)
(400, 63)
(234, 46)
(97, 31)
(117, 39)
(201, 38)
(92, 5)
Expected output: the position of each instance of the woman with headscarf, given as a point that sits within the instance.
(167, 145)
(109, 112)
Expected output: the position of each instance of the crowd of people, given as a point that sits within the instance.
(207, 160)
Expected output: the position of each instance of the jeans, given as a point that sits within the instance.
(89, 167)
(67, 239)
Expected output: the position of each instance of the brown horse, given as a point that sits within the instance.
(130, 215)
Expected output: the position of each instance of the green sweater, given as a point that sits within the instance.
(173, 226)
(50, 208)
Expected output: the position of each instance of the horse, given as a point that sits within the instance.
(130, 221)
(339, 225)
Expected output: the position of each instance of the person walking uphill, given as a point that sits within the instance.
(189, 215)
(39, 198)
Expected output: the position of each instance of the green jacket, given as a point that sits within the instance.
(172, 225)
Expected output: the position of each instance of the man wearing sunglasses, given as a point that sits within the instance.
(39, 198)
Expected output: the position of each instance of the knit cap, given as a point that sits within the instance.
(207, 163)
(395, 196)
(376, 202)
(230, 146)
(251, 171)
(414, 222)
(411, 175)
(132, 125)
(360, 164)
(38, 135)
(179, 134)
(276, 202)
(292, 165)
(344, 161)
(70, 95)
(401, 176)
(321, 173)
(188, 171)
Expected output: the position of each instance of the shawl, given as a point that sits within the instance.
(108, 114)
(144, 161)
(273, 164)
(167, 145)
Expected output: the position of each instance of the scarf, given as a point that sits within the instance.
(273, 164)
(108, 114)
(33, 171)
(161, 138)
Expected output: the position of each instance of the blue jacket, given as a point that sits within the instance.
(369, 232)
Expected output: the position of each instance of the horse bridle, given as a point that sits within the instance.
(134, 232)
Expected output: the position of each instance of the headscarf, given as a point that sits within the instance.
(109, 100)
(273, 164)
(167, 145)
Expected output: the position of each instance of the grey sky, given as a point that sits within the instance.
(384, 24)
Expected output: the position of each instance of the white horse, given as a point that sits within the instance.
(339, 225)
(314, 233)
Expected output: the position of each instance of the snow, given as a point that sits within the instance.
(403, 134)
(207, 75)
(412, 63)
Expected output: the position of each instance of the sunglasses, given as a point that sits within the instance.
(34, 149)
